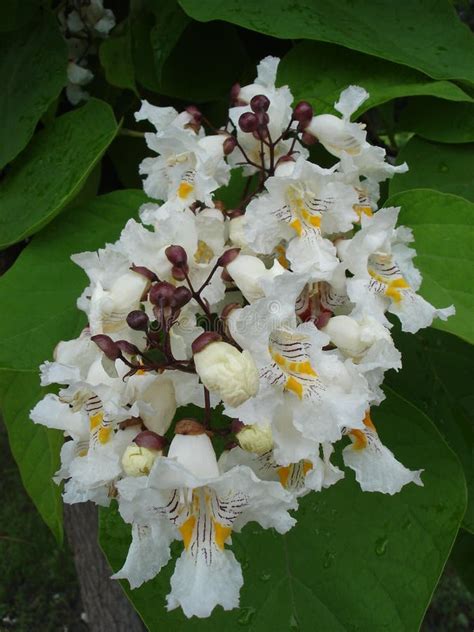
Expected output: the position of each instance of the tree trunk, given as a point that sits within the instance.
(106, 606)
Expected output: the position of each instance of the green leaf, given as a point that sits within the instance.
(33, 64)
(439, 120)
(142, 20)
(446, 168)
(437, 378)
(389, 550)
(170, 24)
(218, 59)
(443, 227)
(53, 169)
(38, 297)
(423, 34)
(14, 14)
(34, 448)
(115, 55)
(337, 68)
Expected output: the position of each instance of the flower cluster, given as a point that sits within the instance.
(83, 24)
(273, 312)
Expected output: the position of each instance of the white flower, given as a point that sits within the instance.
(249, 274)
(190, 166)
(376, 469)
(174, 502)
(137, 460)
(227, 372)
(384, 275)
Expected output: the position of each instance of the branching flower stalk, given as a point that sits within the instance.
(270, 316)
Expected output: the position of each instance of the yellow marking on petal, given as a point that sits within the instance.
(393, 287)
(307, 466)
(184, 190)
(360, 209)
(296, 387)
(186, 530)
(281, 256)
(140, 372)
(360, 440)
(297, 225)
(204, 253)
(83, 452)
(305, 368)
(221, 534)
(95, 420)
(104, 434)
(313, 220)
(283, 474)
(368, 421)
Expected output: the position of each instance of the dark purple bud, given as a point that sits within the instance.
(176, 255)
(107, 346)
(144, 272)
(179, 273)
(260, 103)
(303, 113)
(285, 158)
(228, 256)
(248, 122)
(229, 145)
(225, 276)
(161, 293)
(181, 297)
(308, 139)
(127, 347)
(205, 339)
(263, 118)
(150, 440)
(138, 320)
(228, 309)
(261, 132)
(232, 214)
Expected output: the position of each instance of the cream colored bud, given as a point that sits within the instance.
(137, 461)
(196, 453)
(345, 333)
(249, 274)
(237, 232)
(336, 134)
(161, 396)
(227, 372)
(256, 438)
(127, 290)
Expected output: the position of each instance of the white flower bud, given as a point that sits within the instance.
(336, 135)
(195, 453)
(354, 337)
(227, 372)
(127, 290)
(256, 438)
(161, 396)
(248, 273)
(138, 461)
(237, 232)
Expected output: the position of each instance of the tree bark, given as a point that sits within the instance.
(106, 606)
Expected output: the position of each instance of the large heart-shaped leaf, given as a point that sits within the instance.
(423, 34)
(343, 537)
(437, 378)
(33, 64)
(318, 73)
(446, 168)
(38, 296)
(443, 226)
(438, 120)
(53, 169)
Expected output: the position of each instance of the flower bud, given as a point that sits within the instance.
(228, 309)
(228, 256)
(181, 297)
(161, 293)
(147, 273)
(195, 113)
(229, 145)
(227, 372)
(179, 273)
(248, 122)
(107, 346)
(259, 103)
(127, 347)
(308, 139)
(138, 320)
(150, 440)
(189, 427)
(138, 461)
(194, 452)
(303, 112)
(256, 438)
(177, 256)
(345, 333)
(204, 339)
